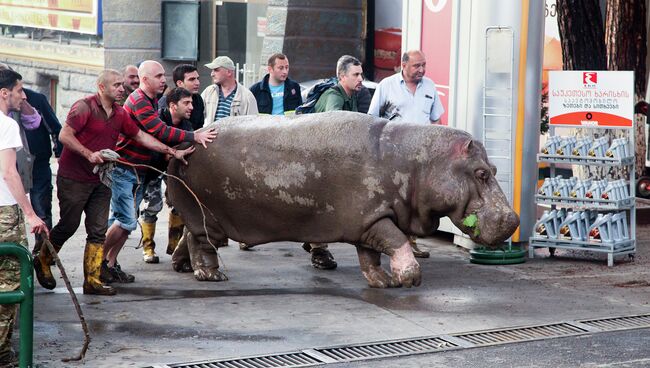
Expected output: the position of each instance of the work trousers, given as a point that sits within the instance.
(12, 230)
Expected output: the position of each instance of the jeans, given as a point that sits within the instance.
(126, 198)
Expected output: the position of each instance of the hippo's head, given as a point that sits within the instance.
(471, 194)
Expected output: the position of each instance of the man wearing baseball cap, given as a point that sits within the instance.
(226, 97)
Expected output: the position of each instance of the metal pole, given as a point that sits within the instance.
(23, 296)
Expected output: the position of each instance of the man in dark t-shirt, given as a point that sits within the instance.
(94, 123)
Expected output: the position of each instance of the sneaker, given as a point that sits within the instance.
(119, 275)
(322, 259)
(244, 246)
(105, 273)
(417, 252)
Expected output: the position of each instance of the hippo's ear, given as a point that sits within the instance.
(463, 147)
(467, 147)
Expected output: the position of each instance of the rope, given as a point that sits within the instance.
(196, 198)
(112, 159)
(73, 296)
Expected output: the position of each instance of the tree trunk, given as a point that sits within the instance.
(582, 35)
(626, 36)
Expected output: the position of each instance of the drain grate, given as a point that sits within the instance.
(619, 323)
(387, 349)
(286, 360)
(510, 335)
(429, 344)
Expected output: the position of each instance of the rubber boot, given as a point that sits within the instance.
(93, 256)
(417, 252)
(148, 245)
(42, 262)
(175, 233)
(181, 257)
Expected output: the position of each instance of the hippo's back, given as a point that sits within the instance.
(339, 132)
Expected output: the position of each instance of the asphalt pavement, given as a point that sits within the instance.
(276, 302)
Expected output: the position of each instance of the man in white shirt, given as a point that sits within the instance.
(413, 95)
(413, 98)
(14, 204)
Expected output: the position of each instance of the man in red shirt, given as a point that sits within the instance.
(94, 123)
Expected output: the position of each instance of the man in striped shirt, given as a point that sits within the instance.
(142, 106)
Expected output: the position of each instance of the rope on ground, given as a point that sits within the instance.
(77, 307)
(106, 177)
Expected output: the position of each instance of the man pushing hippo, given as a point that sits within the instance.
(338, 177)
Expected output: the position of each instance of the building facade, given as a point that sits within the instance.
(59, 46)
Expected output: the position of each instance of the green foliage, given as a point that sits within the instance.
(471, 221)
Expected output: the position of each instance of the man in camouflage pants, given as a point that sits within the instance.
(13, 203)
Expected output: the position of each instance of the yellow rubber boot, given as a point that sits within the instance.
(176, 227)
(93, 255)
(42, 262)
(148, 245)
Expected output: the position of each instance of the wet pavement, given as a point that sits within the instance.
(276, 302)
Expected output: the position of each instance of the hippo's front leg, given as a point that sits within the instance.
(386, 238)
(370, 262)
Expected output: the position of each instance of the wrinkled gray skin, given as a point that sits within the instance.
(337, 177)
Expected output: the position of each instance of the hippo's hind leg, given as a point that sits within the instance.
(205, 261)
(385, 237)
(370, 262)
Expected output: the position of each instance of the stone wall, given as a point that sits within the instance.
(134, 35)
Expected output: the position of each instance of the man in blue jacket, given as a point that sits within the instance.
(276, 94)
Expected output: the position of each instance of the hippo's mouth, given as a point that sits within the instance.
(471, 225)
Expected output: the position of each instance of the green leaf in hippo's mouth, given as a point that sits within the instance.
(471, 222)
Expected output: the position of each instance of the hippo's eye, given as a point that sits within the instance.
(482, 174)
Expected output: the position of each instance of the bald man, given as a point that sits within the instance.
(414, 98)
(93, 124)
(142, 107)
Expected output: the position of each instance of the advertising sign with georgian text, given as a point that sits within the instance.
(591, 98)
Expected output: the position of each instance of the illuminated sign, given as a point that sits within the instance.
(79, 16)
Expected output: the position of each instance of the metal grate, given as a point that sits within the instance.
(431, 344)
(292, 360)
(619, 323)
(521, 334)
(387, 349)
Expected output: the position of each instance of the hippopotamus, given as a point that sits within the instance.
(337, 177)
